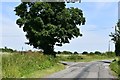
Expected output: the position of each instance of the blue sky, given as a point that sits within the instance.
(101, 17)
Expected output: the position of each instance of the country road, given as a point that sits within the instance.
(96, 69)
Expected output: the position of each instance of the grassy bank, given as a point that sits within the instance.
(23, 65)
(45, 72)
(115, 67)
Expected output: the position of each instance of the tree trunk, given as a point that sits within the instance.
(50, 51)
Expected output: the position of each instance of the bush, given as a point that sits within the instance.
(5, 49)
(97, 52)
(85, 52)
(66, 52)
(110, 54)
(58, 52)
(91, 53)
(76, 52)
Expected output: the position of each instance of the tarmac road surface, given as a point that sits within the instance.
(96, 69)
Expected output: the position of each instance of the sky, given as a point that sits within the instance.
(101, 17)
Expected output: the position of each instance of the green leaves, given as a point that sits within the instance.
(20, 22)
(21, 9)
(116, 38)
(49, 23)
(116, 35)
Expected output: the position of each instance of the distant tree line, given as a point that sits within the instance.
(67, 52)
(5, 49)
(91, 53)
(88, 53)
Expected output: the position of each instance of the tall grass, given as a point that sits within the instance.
(16, 65)
(19, 65)
(115, 67)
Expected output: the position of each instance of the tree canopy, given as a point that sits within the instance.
(49, 23)
(116, 38)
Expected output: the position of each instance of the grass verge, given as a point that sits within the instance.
(115, 67)
(23, 65)
(46, 72)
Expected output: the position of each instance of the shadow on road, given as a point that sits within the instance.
(105, 62)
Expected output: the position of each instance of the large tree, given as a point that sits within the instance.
(116, 38)
(49, 23)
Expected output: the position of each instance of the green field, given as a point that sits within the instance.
(36, 65)
(84, 58)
